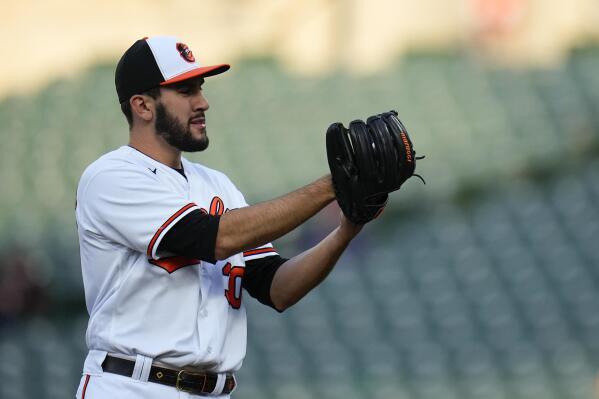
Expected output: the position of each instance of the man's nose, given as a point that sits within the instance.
(200, 103)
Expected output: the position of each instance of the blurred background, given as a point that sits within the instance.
(482, 284)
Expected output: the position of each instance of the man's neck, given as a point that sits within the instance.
(156, 148)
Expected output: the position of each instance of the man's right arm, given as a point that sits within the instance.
(250, 227)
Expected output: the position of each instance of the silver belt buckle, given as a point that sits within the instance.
(179, 379)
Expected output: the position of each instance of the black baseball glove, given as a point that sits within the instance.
(368, 161)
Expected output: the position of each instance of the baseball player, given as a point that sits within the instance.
(167, 245)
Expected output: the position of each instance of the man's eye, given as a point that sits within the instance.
(184, 90)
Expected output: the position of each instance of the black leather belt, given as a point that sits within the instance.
(183, 380)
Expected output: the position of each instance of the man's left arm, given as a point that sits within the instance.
(300, 274)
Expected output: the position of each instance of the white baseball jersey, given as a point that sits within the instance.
(176, 310)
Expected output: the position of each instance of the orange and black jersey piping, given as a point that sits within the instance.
(182, 240)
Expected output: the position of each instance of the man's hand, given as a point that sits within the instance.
(369, 160)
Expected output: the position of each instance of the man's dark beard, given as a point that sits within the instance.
(175, 133)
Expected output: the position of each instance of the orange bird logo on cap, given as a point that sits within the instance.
(185, 52)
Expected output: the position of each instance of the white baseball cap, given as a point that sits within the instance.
(158, 61)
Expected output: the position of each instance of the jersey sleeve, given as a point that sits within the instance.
(260, 252)
(129, 207)
(258, 277)
(182, 240)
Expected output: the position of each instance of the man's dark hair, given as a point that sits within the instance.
(126, 106)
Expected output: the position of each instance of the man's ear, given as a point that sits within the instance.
(142, 106)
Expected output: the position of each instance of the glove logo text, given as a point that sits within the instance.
(406, 144)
